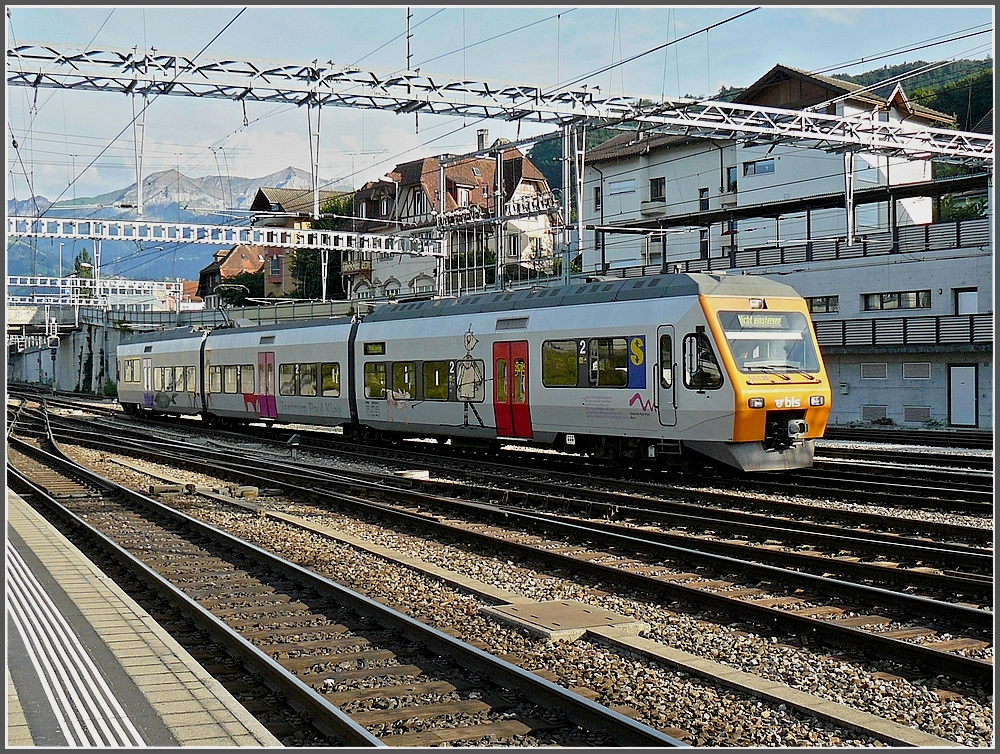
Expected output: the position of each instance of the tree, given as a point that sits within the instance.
(82, 268)
(307, 264)
(236, 290)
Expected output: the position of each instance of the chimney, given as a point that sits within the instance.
(482, 136)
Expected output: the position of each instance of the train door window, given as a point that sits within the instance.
(375, 379)
(287, 379)
(215, 379)
(230, 378)
(435, 380)
(501, 380)
(559, 362)
(168, 379)
(246, 378)
(331, 380)
(307, 379)
(404, 380)
(701, 368)
(666, 361)
(520, 378)
(608, 362)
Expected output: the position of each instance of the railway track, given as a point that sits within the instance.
(642, 564)
(316, 641)
(930, 438)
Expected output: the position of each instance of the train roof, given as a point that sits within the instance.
(649, 287)
(176, 333)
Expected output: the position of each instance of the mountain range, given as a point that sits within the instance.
(168, 196)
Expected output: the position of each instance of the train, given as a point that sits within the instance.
(705, 369)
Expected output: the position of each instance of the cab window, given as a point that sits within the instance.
(701, 368)
(375, 379)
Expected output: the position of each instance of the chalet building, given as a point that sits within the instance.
(478, 216)
(284, 208)
(901, 297)
(227, 264)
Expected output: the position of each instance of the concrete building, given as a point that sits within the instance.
(901, 297)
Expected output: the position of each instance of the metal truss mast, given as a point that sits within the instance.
(316, 84)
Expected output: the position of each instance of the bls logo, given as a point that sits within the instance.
(787, 403)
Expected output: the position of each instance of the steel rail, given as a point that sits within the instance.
(577, 708)
(899, 651)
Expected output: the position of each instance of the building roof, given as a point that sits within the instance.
(290, 201)
(795, 89)
(634, 143)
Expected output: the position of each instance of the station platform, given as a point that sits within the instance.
(87, 667)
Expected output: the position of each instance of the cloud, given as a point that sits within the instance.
(833, 15)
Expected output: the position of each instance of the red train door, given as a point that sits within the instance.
(510, 389)
(265, 386)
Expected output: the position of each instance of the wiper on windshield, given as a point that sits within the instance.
(769, 368)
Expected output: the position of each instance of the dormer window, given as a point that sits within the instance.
(477, 172)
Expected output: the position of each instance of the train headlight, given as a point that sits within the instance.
(756, 403)
(817, 400)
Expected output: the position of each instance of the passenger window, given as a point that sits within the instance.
(501, 380)
(230, 378)
(246, 379)
(215, 379)
(307, 379)
(404, 380)
(286, 379)
(436, 380)
(520, 374)
(192, 379)
(701, 368)
(168, 379)
(375, 379)
(608, 362)
(666, 362)
(179, 385)
(559, 362)
(158, 378)
(331, 380)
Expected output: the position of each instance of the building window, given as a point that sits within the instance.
(703, 200)
(276, 266)
(966, 301)
(597, 197)
(824, 304)
(916, 413)
(621, 187)
(760, 167)
(385, 208)
(873, 413)
(883, 116)
(874, 371)
(731, 178)
(916, 370)
(703, 243)
(872, 302)
(513, 246)
(463, 197)
(362, 210)
(477, 172)
(657, 189)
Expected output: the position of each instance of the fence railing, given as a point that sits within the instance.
(908, 239)
(906, 331)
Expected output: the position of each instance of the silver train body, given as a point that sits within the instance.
(631, 369)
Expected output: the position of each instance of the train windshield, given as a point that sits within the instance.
(766, 341)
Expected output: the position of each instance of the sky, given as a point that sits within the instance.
(77, 144)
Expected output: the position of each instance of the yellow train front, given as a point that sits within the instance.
(781, 392)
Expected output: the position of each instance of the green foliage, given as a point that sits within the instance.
(110, 389)
(236, 290)
(341, 204)
(547, 155)
(307, 269)
(81, 259)
(962, 208)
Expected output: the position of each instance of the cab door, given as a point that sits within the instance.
(265, 381)
(510, 389)
(666, 403)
